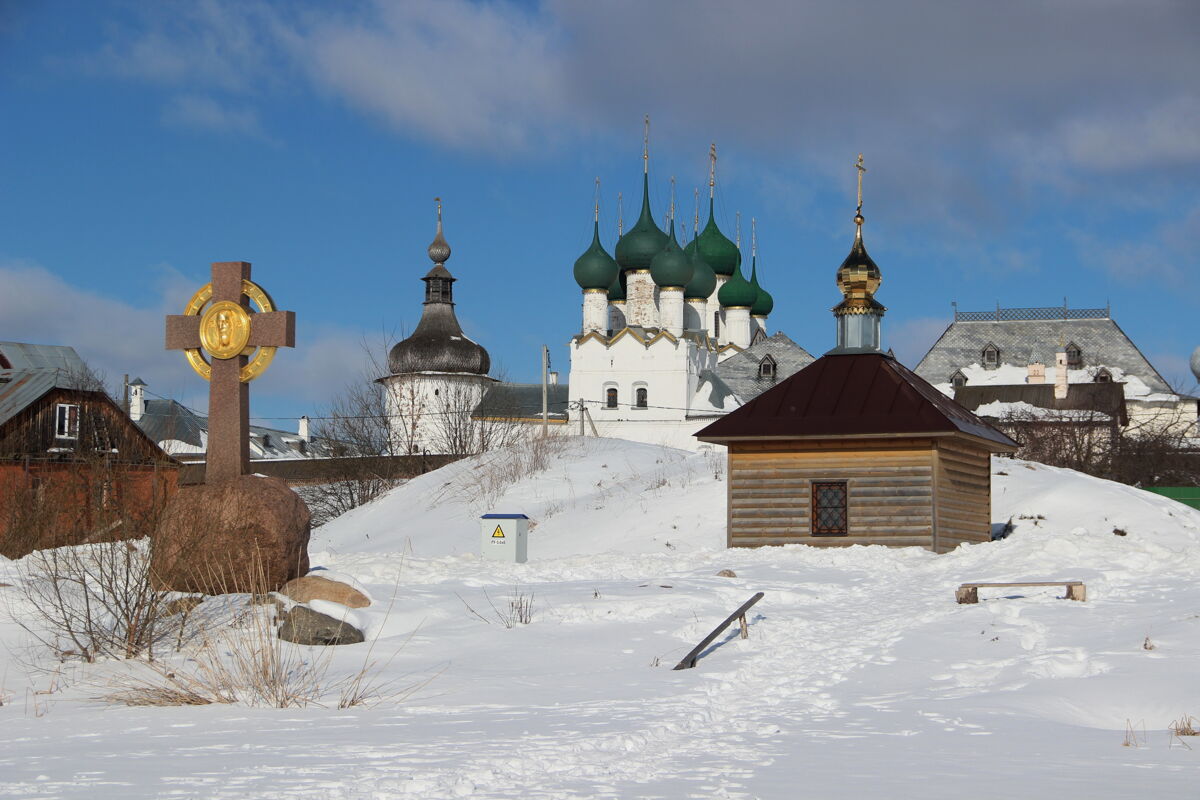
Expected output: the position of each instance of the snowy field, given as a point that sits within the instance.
(861, 676)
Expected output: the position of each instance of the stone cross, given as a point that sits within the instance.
(229, 333)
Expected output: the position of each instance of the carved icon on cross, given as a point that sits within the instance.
(240, 343)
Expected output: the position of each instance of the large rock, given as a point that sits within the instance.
(313, 587)
(245, 535)
(302, 625)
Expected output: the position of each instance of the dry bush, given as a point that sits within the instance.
(1186, 725)
(497, 470)
(94, 601)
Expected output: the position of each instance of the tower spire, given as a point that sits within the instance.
(858, 217)
(620, 215)
(753, 237)
(712, 169)
(696, 218)
(646, 147)
(439, 249)
(596, 211)
(859, 314)
(738, 231)
(671, 213)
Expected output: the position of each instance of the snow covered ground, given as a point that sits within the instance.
(861, 674)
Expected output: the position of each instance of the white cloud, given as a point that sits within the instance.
(198, 112)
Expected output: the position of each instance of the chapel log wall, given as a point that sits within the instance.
(889, 491)
(963, 489)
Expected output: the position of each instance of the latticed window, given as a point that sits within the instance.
(766, 368)
(610, 398)
(641, 398)
(958, 380)
(991, 356)
(829, 508)
(717, 323)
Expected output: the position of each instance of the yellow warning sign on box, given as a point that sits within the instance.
(498, 533)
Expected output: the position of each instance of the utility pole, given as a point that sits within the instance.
(545, 390)
(125, 396)
(581, 418)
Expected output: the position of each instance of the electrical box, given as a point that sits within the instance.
(504, 537)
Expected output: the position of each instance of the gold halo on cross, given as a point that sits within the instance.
(225, 331)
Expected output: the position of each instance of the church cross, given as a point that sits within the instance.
(861, 169)
(220, 322)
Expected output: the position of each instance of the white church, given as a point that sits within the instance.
(671, 337)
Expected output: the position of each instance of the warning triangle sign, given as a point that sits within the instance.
(498, 533)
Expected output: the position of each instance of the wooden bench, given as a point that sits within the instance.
(969, 592)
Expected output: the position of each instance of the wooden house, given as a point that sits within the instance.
(855, 448)
(73, 466)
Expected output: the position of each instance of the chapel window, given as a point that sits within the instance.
(610, 398)
(829, 508)
(717, 324)
(991, 357)
(641, 397)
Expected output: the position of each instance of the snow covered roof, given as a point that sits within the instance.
(181, 431)
(1021, 339)
(1083, 400)
(741, 371)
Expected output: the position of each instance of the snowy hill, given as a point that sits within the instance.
(861, 674)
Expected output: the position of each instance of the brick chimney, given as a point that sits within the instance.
(302, 429)
(1060, 374)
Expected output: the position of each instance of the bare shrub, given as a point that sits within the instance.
(519, 608)
(93, 601)
(497, 470)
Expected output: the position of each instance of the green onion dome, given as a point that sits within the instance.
(671, 268)
(764, 304)
(641, 243)
(595, 269)
(704, 280)
(737, 291)
(616, 290)
(715, 248)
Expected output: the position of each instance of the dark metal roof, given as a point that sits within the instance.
(1105, 398)
(862, 394)
(1022, 338)
(166, 420)
(522, 401)
(741, 373)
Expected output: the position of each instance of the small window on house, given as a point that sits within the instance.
(829, 508)
(1074, 356)
(610, 398)
(991, 357)
(266, 443)
(66, 421)
(641, 398)
(717, 324)
(1102, 376)
(767, 368)
(958, 380)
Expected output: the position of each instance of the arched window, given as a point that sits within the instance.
(767, 368)
(641, 397)
(610, 397)
(1074, 356)
(958, 380)
(991, 356)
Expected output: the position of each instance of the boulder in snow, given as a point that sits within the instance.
(302, 625)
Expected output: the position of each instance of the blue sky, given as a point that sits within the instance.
(1016, 153)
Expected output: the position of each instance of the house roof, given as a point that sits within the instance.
(852, 395)
(740, 372)
(522, 401)
(24, 388)
(1022, 339)
(169, 421)
(22, 356)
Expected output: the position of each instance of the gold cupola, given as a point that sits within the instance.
(858, 278)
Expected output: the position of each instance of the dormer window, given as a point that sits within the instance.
(266, 442)
(958, 380)
(767, 368)
(1102, 375)
(1074, 356)
(991, 356)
